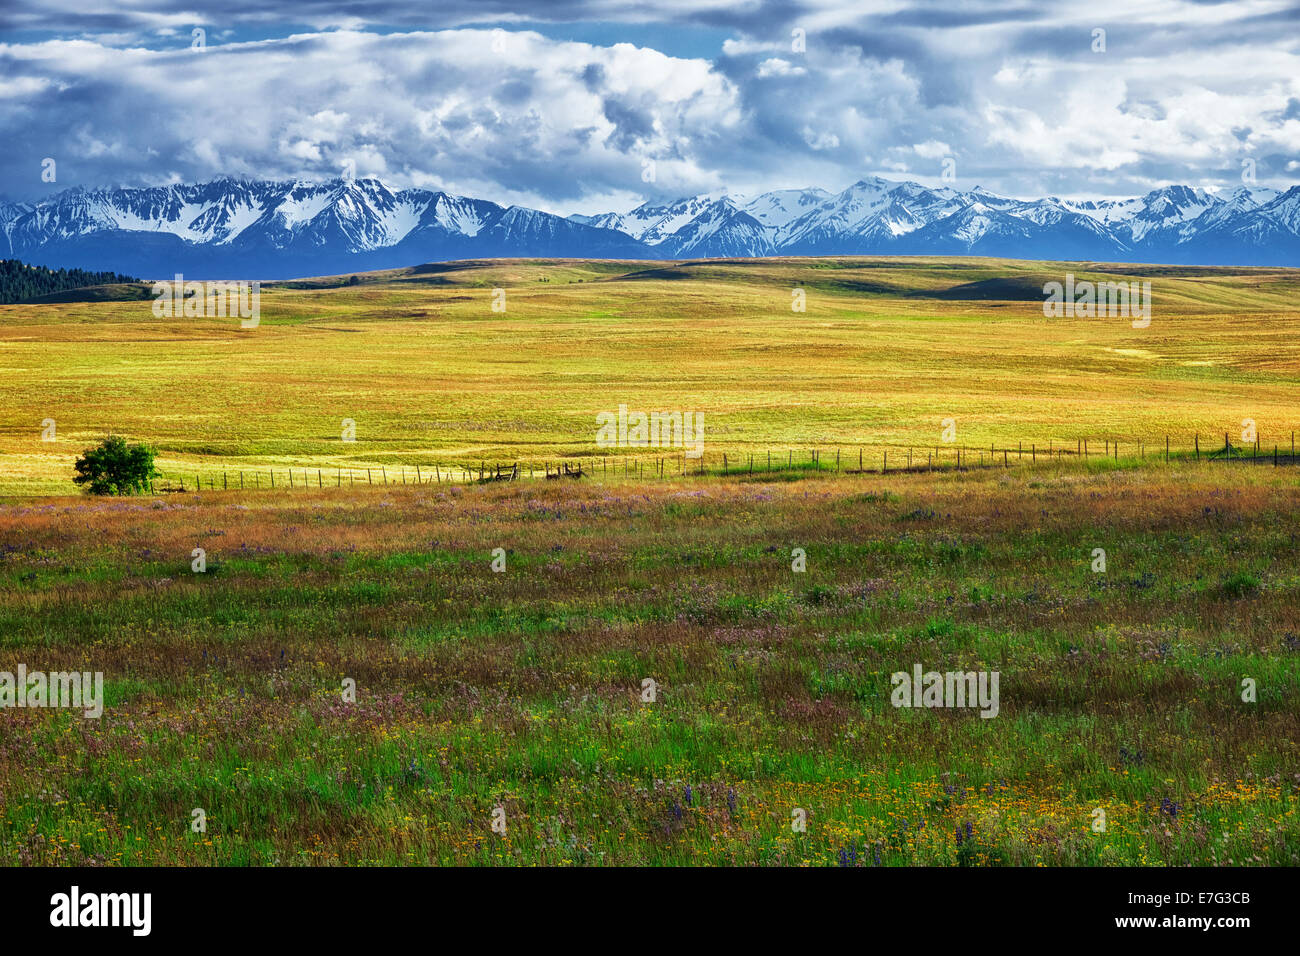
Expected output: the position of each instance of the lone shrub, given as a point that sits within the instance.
(116, 468)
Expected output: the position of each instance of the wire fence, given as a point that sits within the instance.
(857, 460)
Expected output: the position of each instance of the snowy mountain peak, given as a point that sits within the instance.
(234, 227)
(1251, 197)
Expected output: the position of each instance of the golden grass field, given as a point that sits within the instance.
(431, 375)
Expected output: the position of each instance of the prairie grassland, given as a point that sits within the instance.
(886, 350)
(1120, 690)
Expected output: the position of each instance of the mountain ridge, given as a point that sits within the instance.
(232, 227)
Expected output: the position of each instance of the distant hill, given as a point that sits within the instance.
(20, 282)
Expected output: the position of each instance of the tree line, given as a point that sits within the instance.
(20, 282)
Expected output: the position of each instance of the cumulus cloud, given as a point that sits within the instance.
(528, 118)
(932, 149)
(775, 66)
(493, 98)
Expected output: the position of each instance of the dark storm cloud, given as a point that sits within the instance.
(63, 16)
(631, 125)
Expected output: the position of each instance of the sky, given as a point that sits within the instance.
(587, 107)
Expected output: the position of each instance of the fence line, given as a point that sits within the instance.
(875, 459)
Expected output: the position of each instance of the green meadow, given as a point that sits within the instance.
(522, 692)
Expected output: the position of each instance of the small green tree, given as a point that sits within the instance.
(116, 468)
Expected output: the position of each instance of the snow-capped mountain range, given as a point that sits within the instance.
(274, 230)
